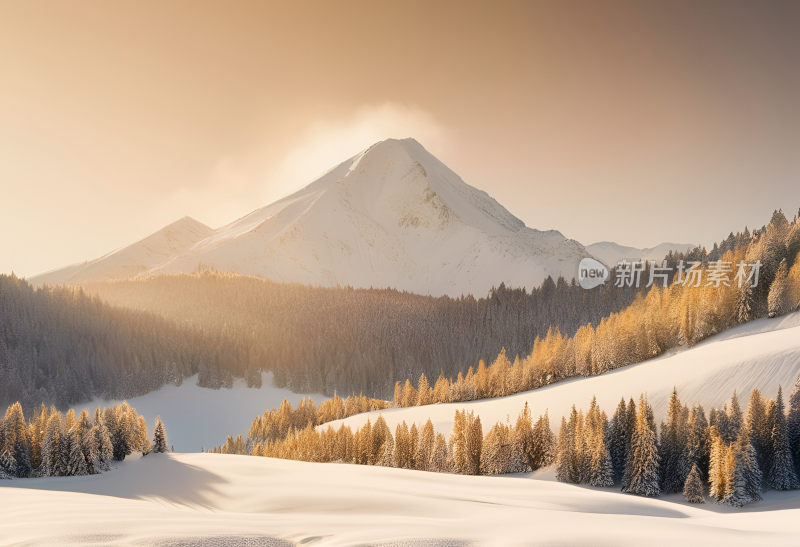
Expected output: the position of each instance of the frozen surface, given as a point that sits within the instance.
(198, 417)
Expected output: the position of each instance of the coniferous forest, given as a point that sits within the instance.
(728, 455)
(60, 346)
(53, 444)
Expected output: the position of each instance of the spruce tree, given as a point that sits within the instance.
(693, 487)
(76, 463)
(793, 421)
(782, 474)
(644, 477)
(674, 449)
(618, 440)
(159, 436)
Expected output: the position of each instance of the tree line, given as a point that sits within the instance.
(53, 444)
(728, 455)
(656, 321)
(736, 454)
(524, 446)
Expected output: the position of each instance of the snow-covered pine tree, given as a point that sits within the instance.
(602, 473)
(424, 391)
(793, 420)
(76, 463)
(644, 478)
(631, 436)
(474, 443)
(159, 436)
(778, 301)
(16, 440)
(744, 303)
(744, 478)
(735, 417)
(760, 435)
(440, 457)
(564, 454)
(53, 447)
(697, 444)
(142, 438)
(718, 471)
(693, 487)
(522, 441)
(387, 453)
(618, 440)
(544, 443)
(8, 465)
(458, 439)
(674, 449)
(782, 474)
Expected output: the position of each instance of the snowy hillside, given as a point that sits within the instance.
(221, 411)
(762, 354)
(213, 499)
(610, 253)
(391, 216)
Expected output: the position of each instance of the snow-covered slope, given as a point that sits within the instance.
(221, 412)
(211, 499)
(391, 216)
(610, 253)
(762, 354)
(134, 259)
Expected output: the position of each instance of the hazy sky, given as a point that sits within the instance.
(629, 121)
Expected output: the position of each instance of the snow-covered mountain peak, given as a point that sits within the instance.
(392, 215)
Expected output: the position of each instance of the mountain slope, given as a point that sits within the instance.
(391, 216)
(610, 253)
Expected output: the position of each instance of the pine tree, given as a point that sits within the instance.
(602, 473)
(793, 420)
(159, 436)
(618, 440)
(759, 434)
(440, 456)
(718, 471)
(674, 447)
(693, 487)
(778, 301)
(782, 474)
(8, 465)
(697, 444)
(424, 391)
(631, 434)
(458, 439)
(53, 447)
(422, 458)
(76, 463)
(474, 444)
(644, 478)
(16, 440)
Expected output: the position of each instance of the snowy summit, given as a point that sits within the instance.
(391, 216)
